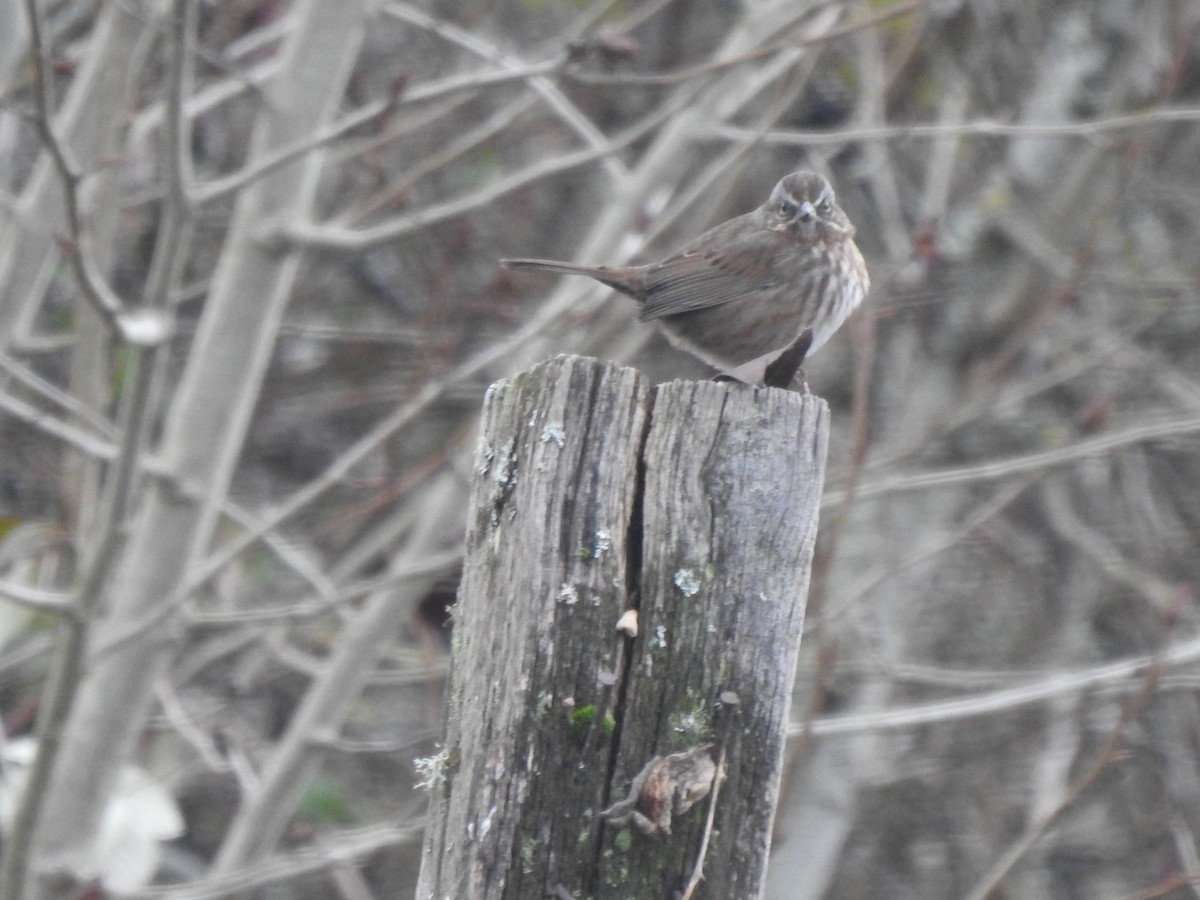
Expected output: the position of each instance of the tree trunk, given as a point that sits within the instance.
(579, 762)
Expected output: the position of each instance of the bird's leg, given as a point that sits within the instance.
(784, 370)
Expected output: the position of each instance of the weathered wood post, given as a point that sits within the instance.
(578, 762)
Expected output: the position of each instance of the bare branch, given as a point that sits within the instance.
(1032, 462)
(1039, 691)
(55, 602)
(540, 85)
(1066, 520)
(442, 563)
(1094, 128)
(269, 162)
(347, 846)
(93, 446)
(822, 36)
(93, 285)
(332, 237)
(57, 396)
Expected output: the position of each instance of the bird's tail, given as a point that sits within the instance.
(552, 265)
(627, 281)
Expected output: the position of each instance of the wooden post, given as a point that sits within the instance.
(579, 762)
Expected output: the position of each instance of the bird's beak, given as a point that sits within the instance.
(807, 211)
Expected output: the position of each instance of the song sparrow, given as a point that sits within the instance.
(753, 295)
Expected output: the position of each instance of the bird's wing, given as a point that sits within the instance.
(708, 273)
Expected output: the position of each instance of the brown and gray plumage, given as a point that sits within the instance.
(751, 289)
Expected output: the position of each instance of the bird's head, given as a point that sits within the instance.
(804, 203)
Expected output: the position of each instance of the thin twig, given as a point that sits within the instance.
(1092, 128)
(206, 99)
(1066, 521)
(295, 559)
(345, 847)
(1004, 468)
(94, 288)
(95, 447)
(57, 396)
(471, 83)
(56, 602)
(172, 707)
(541, 85)
(1046, 688)
(269, 162)
(444, 562)
(338, 238)
(687, 73)
(698, 869)
(479, 134)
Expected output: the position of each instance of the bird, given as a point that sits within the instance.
(755, 295)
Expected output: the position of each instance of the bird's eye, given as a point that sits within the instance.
(787, 208)
(825, 206)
